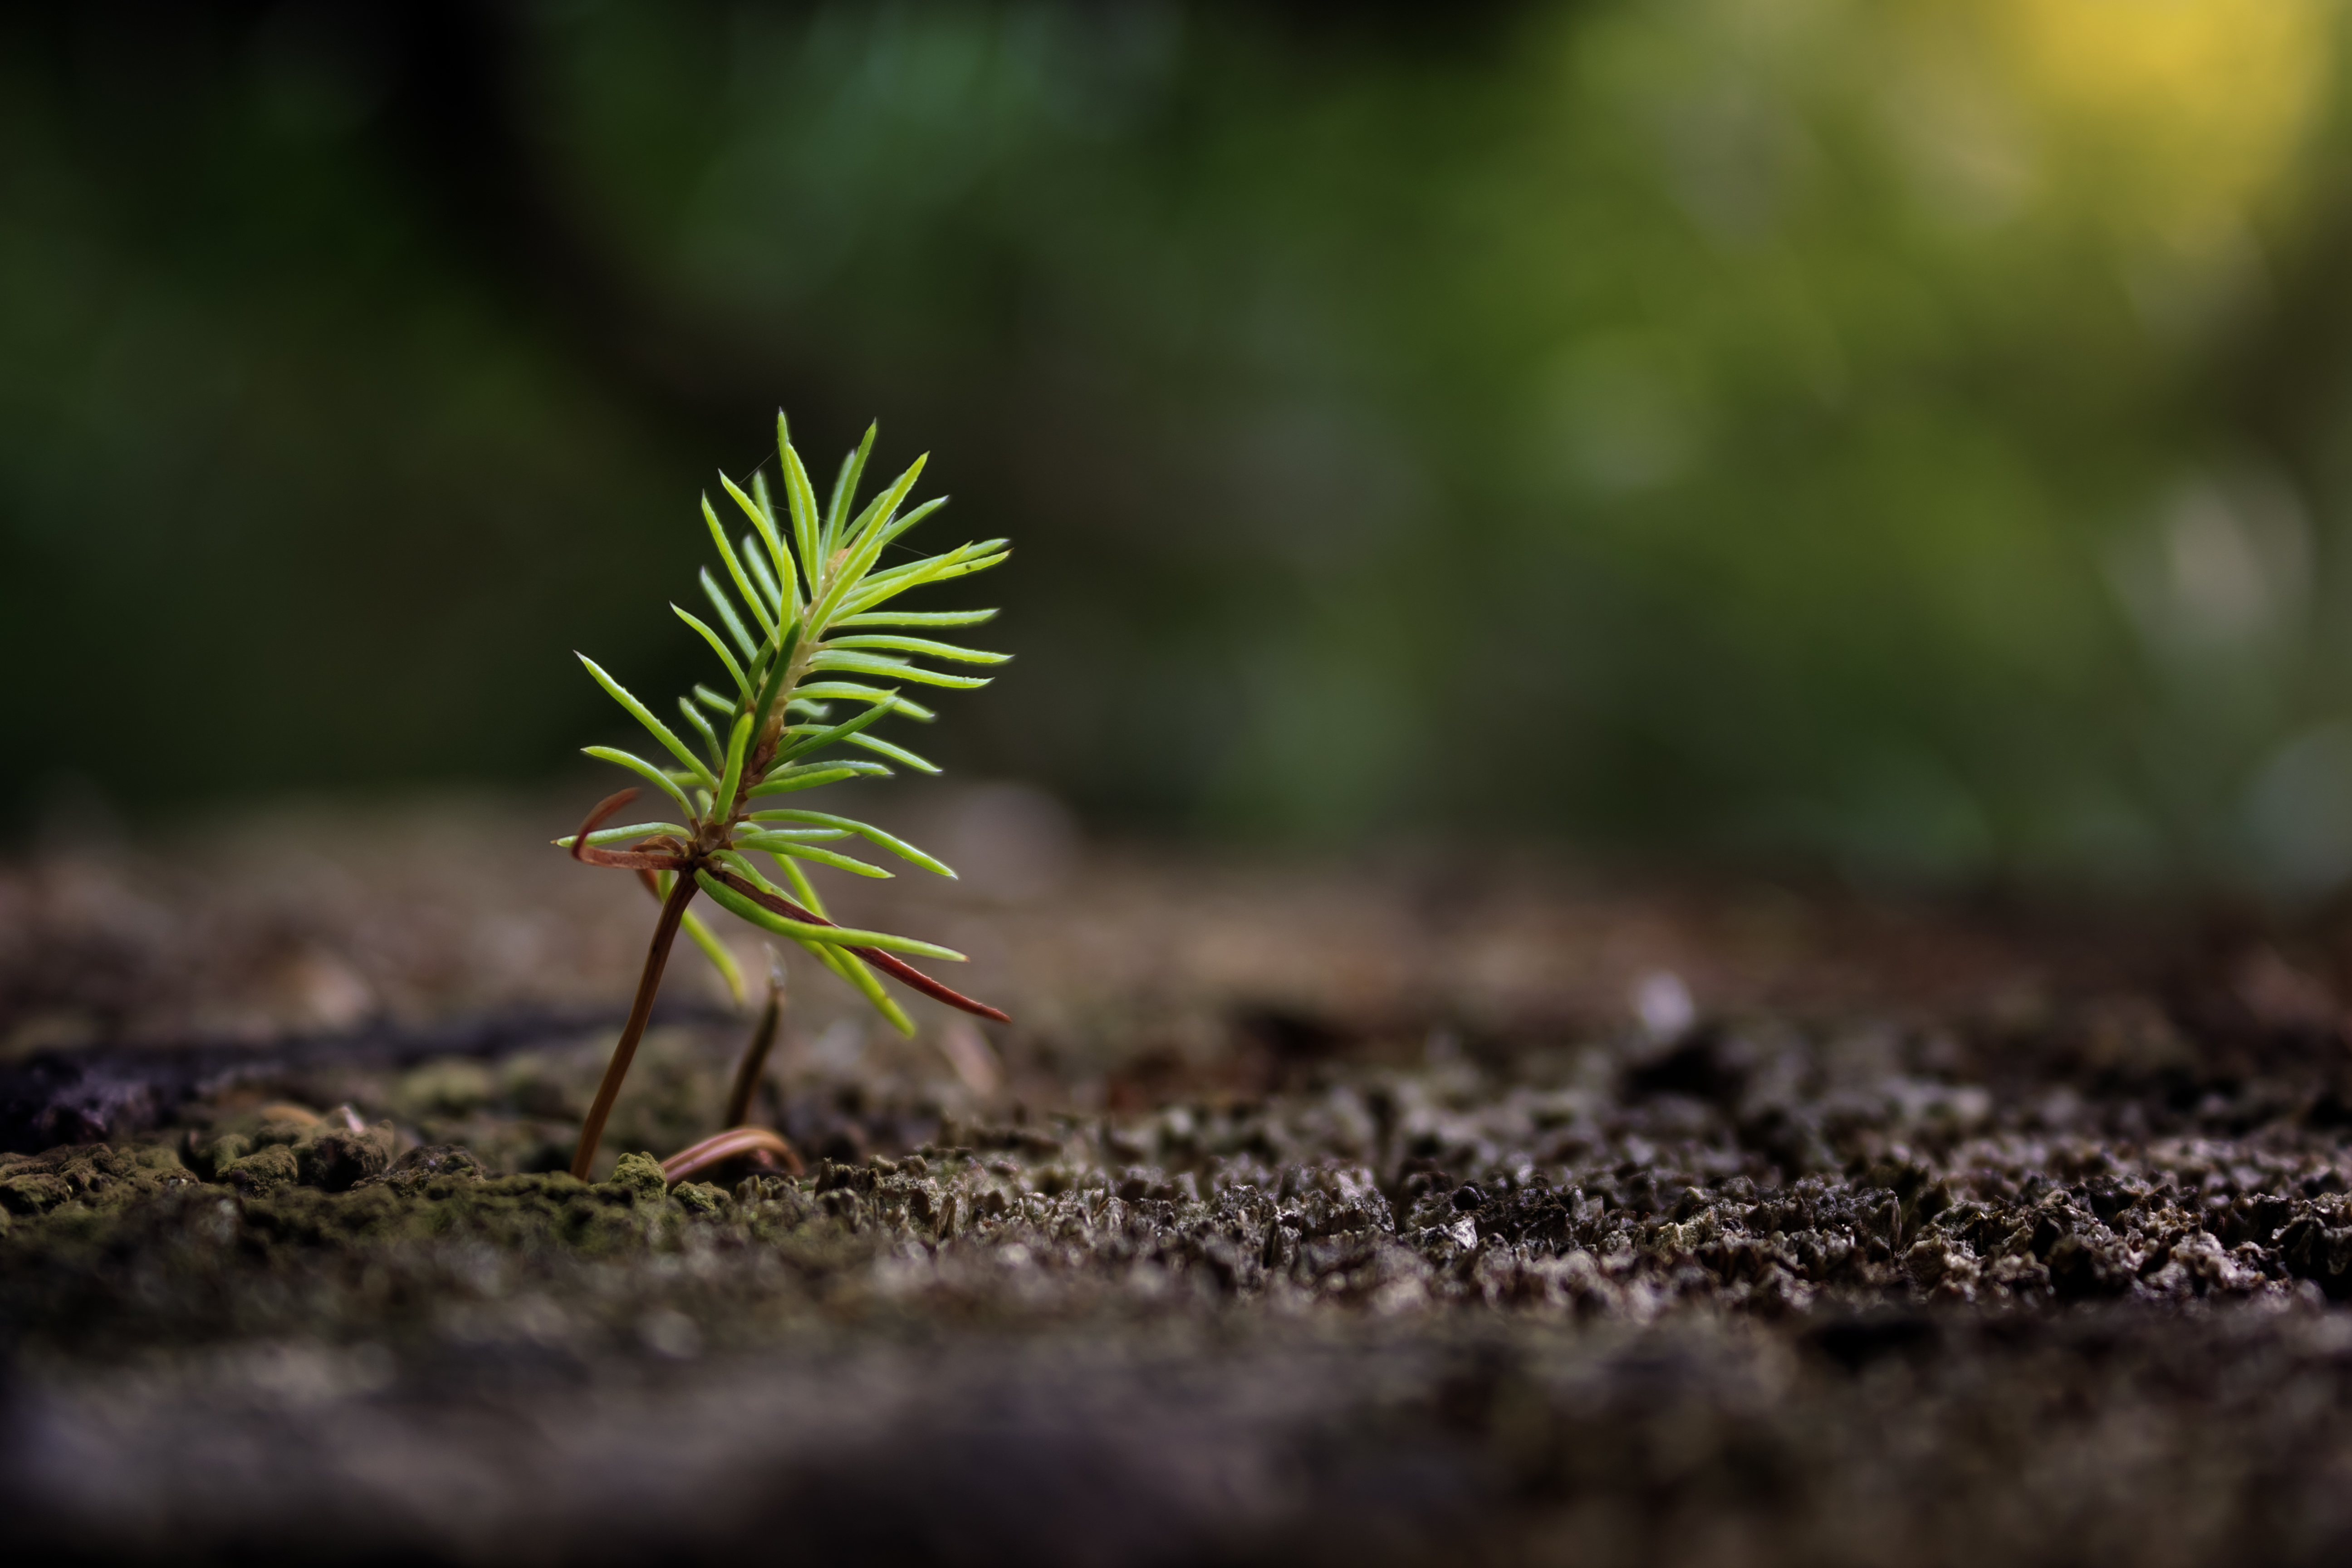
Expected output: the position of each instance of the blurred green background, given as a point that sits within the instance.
(1909, 438)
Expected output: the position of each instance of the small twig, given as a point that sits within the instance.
(592, 1131)
(755, 1054)
(731, 1144)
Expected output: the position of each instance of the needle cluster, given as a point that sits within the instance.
(815, 655)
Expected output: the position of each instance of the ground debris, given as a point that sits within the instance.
(1608, 1315)
(1990, 1272)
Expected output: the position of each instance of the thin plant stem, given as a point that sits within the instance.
(591, 1130)
(755, 1054)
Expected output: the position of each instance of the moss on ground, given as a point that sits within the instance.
(1386, 1193)
(1765, 1291)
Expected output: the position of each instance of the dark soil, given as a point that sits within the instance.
(1306, 1217)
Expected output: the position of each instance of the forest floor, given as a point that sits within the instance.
(1472, 1207)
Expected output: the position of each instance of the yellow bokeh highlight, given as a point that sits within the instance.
(2178, 115)
(2170, 120)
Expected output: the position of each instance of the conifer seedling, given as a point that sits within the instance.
(815, 655)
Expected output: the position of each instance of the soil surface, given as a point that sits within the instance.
(1469, 1209)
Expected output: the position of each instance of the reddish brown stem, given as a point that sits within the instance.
(755, 1054)
(731, 1144)
(592, 1131)
(601, 812)
(898, 969)
(630, 859)
(766, 899)
(906, 975)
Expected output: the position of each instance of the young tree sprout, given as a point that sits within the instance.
(810, 630)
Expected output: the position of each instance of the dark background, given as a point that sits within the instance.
(1909, 439)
